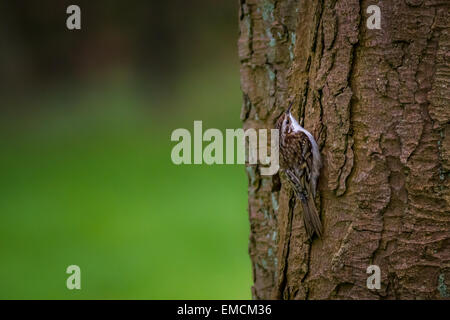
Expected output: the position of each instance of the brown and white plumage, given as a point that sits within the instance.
(300, 160)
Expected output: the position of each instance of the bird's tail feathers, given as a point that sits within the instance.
(311, 218)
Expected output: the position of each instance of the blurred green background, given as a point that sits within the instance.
(86, 176)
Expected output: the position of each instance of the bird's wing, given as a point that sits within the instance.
(301, 161)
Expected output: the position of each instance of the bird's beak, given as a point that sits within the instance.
(290, 106)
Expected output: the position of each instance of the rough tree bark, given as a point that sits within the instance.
(377, 102)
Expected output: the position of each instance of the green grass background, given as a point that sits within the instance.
(86, 178)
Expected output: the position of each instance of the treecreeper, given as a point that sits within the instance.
(301, 162)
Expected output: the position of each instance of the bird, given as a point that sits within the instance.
(301, 162)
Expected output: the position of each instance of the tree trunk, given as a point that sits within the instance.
(377, 102)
